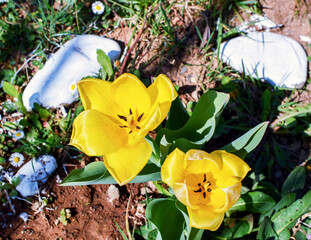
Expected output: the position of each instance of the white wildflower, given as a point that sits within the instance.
(18, 135)
(98, 7)
(17, 159)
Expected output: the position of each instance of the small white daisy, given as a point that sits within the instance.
(17, 159)
(98, 7)
(18, 135)
(74, 90)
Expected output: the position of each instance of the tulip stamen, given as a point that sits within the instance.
(131, 111)
(204, 179)
(122, 117)
(199, 190)
(139, 118)
(204, 194)
(137, 127)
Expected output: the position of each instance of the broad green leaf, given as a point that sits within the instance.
(243, 227)
(266, 231)
(247, 142)
(166, 217)
(256, 202)
(9, 89)
(202, 123)
(20, 104)
(105, 62)
(284, 202)
(286, 219)
(192, 233)
(295, 180)
(96, 173)
(178, 115)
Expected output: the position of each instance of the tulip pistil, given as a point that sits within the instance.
(206, 186)
(131, 121)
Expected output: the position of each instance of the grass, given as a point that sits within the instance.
(33, 30)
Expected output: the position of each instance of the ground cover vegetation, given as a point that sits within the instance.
(271, 126)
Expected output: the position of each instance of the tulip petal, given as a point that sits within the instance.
(202, 162)
(129, 92)
(232, 195)
(95, 94)
(234, 168)
(173, 170)
(205, 218)
(96, 134)
(162, 90)
(128, 161)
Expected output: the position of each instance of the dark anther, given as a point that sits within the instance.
(199, 184)
(137, 127)
(122, 117)
(130, 132)
(139, 118)
(204, 194)
(209, 183)
(199, 190)
(131, 112)
(123, 126)
(209, 190)
(204, 180)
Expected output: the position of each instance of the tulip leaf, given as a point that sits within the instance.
(266, 230)
(178, 115)
(256, 202)
(97, 173)
(247, 142)
(285, 219)
(295, 181)
(201, 125)
(164, 214)
(284, 202)
(192, 233)
(9, 89)
(243, 227)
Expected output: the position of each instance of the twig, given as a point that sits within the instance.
(9, 201)
(127, 218)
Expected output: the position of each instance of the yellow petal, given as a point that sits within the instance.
(232, 195)
(162, 90)
(205, 218)
(128, 161)
(95, 94)
(233, 171)
(186, 195)
(95, 134)
(199, 161)
(173, 170)
(129, 92)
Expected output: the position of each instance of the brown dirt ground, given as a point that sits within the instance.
(91, 214)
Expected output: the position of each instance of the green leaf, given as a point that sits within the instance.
(247, 142)
(97, 173)
(192, 233)
(256, 202)
(20, 104)
(44, 114)
(9, 89)
(105, 62)
(295, 180)
(266, 231)
(286, 219)
(243, 227)
(166, 217)
(284, 202)
(201, 125)
(178, 115)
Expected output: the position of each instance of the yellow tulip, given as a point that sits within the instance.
(117, 118)
(208, 184)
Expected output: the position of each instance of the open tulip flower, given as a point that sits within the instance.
(208, 184)
(117, 118)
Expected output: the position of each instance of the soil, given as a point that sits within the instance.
(92, 215)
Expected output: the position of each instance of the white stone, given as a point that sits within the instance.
(272, 57)
(35, 173)
(113, 193)
(77, 58)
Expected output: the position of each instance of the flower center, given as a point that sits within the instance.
(131, 121)
(73, 87)
(98, 7)
(207, 185)
(16, 159)
(18, 134)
